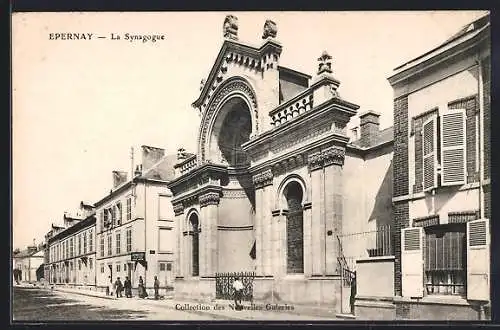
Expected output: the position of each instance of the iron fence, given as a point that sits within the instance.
(371, 243)
(224, 285)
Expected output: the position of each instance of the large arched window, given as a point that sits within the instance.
(294, 228)
(195, 253)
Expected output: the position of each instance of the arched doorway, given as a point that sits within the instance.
(195, 245)
(231, 129)
(293, 194)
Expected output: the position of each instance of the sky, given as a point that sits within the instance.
(80, 105)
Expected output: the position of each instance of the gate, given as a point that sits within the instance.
(224, 285)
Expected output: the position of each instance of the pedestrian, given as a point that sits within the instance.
(128, 287)
(352, 298)
(157, 287)
(238, 291)
(142, 289)
(118, 287)
(108, 287)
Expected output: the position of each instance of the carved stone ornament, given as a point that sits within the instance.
(325, 63)
(178, 209)
(211, 198)
(333, 155)
(270, 30)
(315, 161)
(326, 157)
(262, 179)
(230, 27)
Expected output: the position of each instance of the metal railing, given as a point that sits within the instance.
(371, 243)
(224, 285)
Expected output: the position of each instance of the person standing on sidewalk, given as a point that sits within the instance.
(157, 287)
(142, 289)
(128, 287)
(118, 287)
(238, 291)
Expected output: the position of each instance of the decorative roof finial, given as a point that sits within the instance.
(325, 63)
(270, 30)
(230, 27)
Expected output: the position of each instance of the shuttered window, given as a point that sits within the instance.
(453, 147)
(411, 262)
(478, 260)
(445, 259)
(429, 154)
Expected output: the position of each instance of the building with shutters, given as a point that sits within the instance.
(70, 250)
(26, 262)
(276, 182)
(135, 225)
(442, 179)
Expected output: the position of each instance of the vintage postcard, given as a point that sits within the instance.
(251, 166)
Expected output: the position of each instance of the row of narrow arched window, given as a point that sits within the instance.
(294, 232)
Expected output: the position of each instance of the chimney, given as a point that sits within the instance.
(369, 127)
(138, 170)
(181, 154)
(119, 177)
(151, 156)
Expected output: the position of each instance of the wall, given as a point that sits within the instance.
(374, 277)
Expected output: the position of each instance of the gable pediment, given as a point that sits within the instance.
(235, 52)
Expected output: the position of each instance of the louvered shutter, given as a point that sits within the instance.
(429, 153)
(412, 271)
(453, 163)
(478, 260)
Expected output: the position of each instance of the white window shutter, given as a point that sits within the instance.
(478, 260)
(429, 153)
(453, 161)
(412, 264)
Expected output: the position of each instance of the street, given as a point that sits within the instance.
(43, 305)
(37, 304)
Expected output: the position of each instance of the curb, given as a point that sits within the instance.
(85, 294)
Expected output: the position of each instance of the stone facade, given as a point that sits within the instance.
(272, 199)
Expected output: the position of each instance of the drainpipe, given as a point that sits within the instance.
(145, 238)
(481, 138)
(482, 315)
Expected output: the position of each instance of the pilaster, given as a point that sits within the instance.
(308, 239)
(326, 216)
(263, 193)
(209, 205)
(267, 229)
(317, 188)
(275, 242)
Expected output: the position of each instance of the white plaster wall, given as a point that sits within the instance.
(438, 94)
(448, 200)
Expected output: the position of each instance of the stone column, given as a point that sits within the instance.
(203, 242)
(315, 163)
(282, 243)
(266, 222)
(333, 158)
(307, 239)
(179, 225)
(275, 243)
(258, 230)
(209, 204)
(263, 193)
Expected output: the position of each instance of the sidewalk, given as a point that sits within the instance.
(222, 308)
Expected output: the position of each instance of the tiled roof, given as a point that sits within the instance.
(163, 170)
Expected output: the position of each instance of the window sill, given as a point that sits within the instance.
(436, 299)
